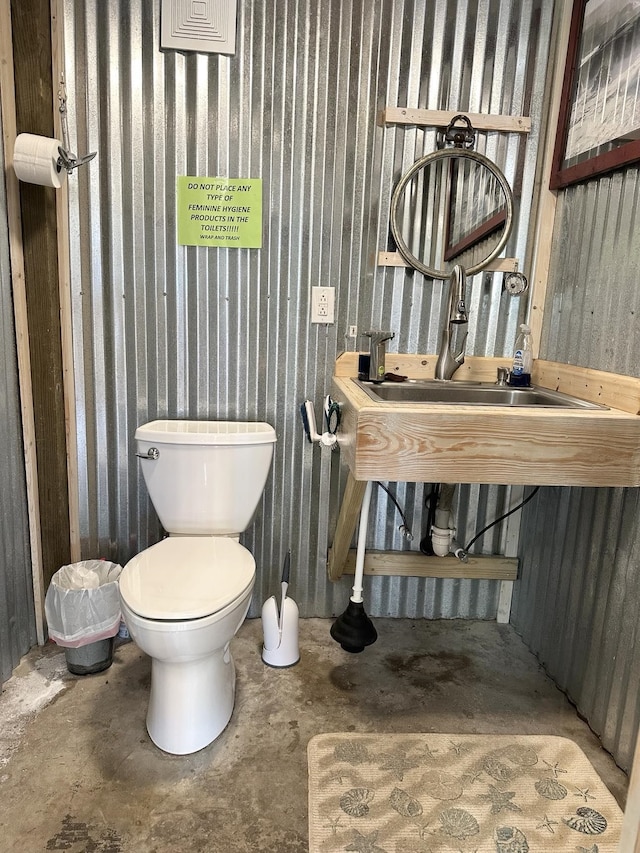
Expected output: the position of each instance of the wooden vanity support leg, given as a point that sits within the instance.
(345, 528)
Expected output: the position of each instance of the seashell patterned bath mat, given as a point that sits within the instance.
(447, 793)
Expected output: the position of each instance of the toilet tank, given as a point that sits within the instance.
(207, 477)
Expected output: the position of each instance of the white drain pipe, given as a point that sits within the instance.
(442, 532)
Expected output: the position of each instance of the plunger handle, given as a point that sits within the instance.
(356, 595)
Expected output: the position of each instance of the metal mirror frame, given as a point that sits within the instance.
(427, 160)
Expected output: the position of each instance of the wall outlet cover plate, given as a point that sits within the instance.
(323, 304)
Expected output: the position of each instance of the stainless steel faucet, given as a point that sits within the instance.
(377, 352)
(448, 363)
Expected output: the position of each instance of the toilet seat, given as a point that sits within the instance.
(186, 577)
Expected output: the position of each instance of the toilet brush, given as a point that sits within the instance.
(281, 629)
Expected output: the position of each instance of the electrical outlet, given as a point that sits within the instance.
(322, 304)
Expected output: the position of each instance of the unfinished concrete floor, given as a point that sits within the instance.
(80, 774)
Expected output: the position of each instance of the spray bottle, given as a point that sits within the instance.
(522, 359)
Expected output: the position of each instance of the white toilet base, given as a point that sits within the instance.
(190, 702)
(193, 678)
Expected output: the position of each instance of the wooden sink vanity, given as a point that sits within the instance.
(456, 443)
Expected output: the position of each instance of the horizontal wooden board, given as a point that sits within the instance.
(442, 118)
(416, 366)
(598, 386)
(413, 564)
(395, 259)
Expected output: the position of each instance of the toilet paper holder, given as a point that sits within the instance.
(45, 161)
(67, 159)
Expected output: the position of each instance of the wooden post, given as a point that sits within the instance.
(32, 59)
(7, 102)
(64, 280)
(347, 519)
(544, 218)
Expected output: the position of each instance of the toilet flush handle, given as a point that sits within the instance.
(152, 453)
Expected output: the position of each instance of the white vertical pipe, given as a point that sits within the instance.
(356, 596)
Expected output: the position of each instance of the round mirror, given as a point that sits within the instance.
(452, 207)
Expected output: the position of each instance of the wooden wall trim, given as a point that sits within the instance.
(64, 279)
(442, 118)
(395, 259)
(608, 389)
(544, 220)
(7, 104)
(34, 94)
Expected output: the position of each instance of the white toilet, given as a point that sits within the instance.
(184, 598)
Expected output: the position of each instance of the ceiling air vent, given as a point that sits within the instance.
(203, 26)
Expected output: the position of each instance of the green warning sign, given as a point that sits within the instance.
(220, 212)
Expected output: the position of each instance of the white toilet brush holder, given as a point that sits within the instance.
(280, 629)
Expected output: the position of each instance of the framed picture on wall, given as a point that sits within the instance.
(599, 119)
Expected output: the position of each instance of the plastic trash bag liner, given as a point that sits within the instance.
(82, 604)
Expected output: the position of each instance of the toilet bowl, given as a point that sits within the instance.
(184, 598)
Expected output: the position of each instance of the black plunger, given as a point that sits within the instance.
(353, 629)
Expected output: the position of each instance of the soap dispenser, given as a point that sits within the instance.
(522, 359)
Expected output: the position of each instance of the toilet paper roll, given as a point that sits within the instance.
(35, 160)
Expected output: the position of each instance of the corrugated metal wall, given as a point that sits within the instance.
(163, 330)
(593, 298)
(17, 616)
(578, 599)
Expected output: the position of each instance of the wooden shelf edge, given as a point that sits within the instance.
(413, 564)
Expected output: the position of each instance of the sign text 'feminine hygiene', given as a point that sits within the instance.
(220, 212)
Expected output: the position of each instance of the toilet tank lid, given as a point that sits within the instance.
(206, 432)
